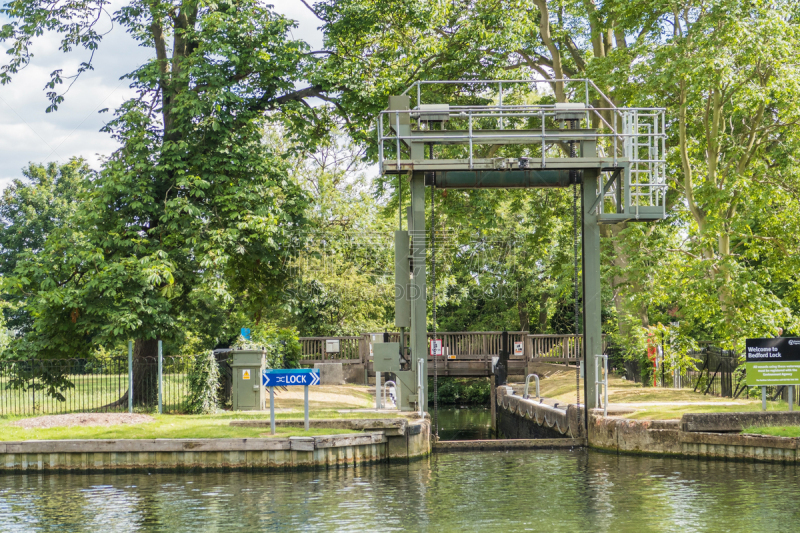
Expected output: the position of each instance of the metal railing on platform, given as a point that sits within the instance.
(475, 346)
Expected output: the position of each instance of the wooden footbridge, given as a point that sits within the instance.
(465, 354)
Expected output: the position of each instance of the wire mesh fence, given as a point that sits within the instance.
(80, 385)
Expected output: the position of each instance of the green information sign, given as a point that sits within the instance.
(773, 362)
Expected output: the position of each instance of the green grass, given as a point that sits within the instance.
(777, 431)
(673, 412)
(178, 427)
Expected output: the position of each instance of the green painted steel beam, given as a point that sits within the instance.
(501, 179)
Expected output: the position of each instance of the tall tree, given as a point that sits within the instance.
(193, 212)
(31, 209)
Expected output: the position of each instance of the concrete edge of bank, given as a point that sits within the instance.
(324, 451)
(655, 437)
(712, 436)
(506, 445)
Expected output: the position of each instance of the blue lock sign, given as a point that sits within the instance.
(246, 333)
(284, 378)
(289, 377)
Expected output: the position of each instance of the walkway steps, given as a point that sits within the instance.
(446, 446)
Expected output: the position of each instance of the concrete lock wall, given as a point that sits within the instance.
(667, 437)
(711, 435)
(330, 373)
(412, 441)
(518, 418)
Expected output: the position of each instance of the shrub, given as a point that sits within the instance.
(282, 345)
(462, 391)
(203, 385)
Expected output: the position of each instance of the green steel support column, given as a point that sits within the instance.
(592, 327)
(417, 292)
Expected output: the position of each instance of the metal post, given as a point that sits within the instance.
(493, 404)
(592, 331)
(605, 386)
(502, 125)
(272, 410)
(377, 390)
(470, 140)
(306, 404)
(544, 148)
(420, 388)
(160, 378)
(130, 376)
(763, 398)
(791, 397)
(418, 341)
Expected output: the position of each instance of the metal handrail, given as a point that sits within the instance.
(585, 81)
(527, 382)
(604, 382)
(384, 391)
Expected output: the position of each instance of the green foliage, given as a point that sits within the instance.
(194, 218)
(203, 385)
(341, 280)
(282, 345)
(204, 219)
(31, 208)
(461, 391)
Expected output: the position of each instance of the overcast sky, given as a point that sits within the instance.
(28, 134)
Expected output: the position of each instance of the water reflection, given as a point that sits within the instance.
(515, 491)
(473, 423)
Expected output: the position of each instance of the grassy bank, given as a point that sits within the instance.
(325, 402)
(645, 403)
(777, 431)
(162, 427)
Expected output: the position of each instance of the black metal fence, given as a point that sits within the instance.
(715, 372)
(92, 385)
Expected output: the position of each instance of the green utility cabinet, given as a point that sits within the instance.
(247, 367)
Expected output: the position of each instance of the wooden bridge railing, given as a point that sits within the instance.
(471, 345)
(314, 349)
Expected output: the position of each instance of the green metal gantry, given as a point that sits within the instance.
(615, 154)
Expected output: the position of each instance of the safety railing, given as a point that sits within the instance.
(525, 395)
(602, 371)
(636, 134)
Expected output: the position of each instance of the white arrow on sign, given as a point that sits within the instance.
(265, 380)
(314, 378)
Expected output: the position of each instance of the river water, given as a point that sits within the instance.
(472, 423)
(476, 491)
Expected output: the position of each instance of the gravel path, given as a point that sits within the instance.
(83, 419)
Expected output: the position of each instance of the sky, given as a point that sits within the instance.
(29, 134)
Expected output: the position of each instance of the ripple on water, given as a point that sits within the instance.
(513, 491)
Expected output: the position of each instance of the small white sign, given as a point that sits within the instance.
(245, 374)
(436, 347)
(332, 346)
(519, 348)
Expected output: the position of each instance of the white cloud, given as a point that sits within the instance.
(28, 134)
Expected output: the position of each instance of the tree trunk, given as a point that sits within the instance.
(145, 377)
(145, 372)
(543, 313)
(524, 320)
